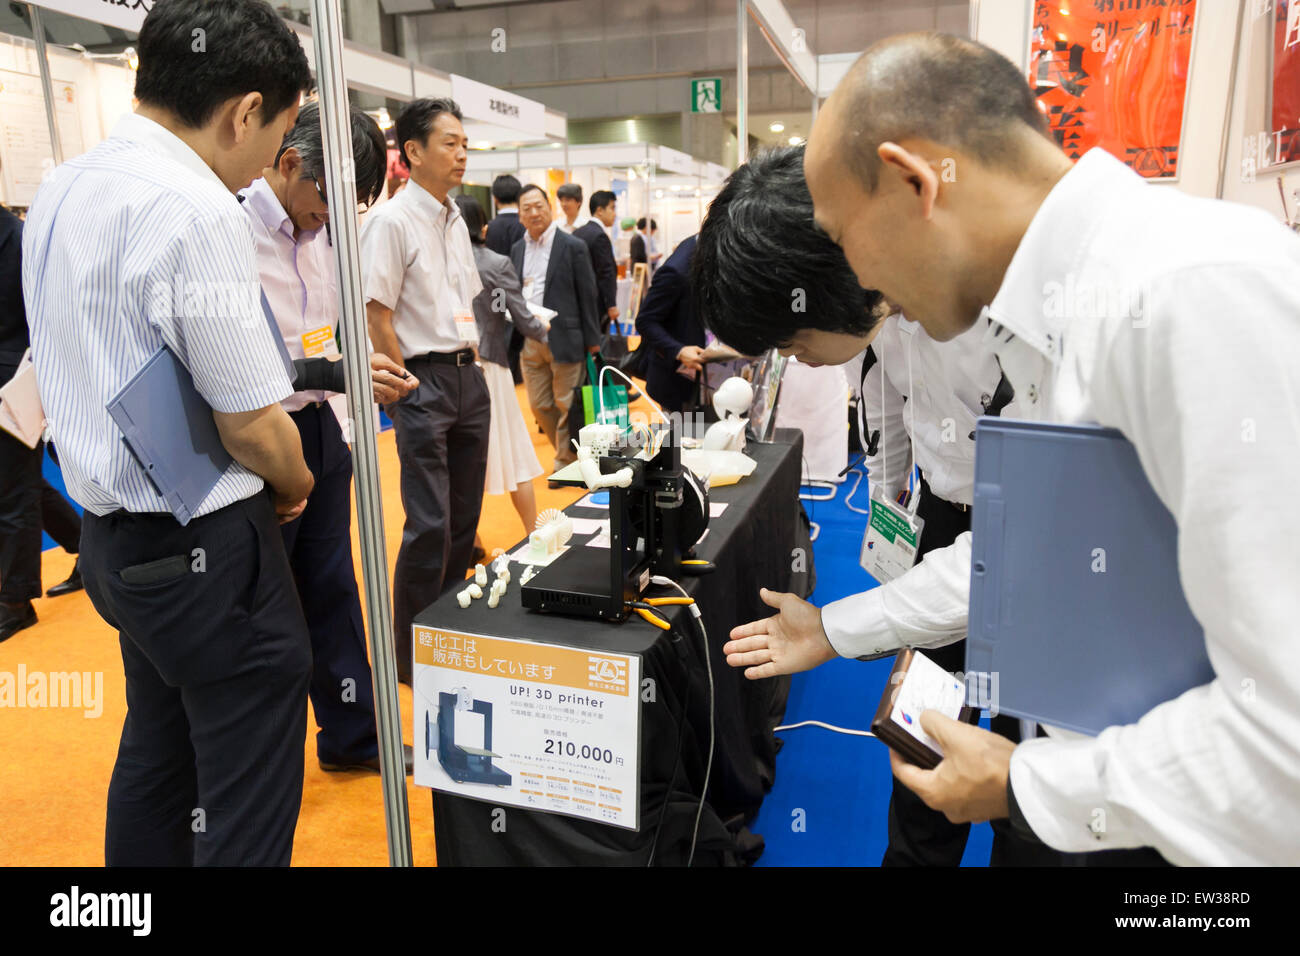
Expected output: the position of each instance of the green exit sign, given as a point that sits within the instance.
(706, 95)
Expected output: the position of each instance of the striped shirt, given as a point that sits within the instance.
(131, 246)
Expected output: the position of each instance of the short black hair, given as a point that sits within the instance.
(369, 149)
(763, 269)
(197, 54)
(530, 188)
(416, 120)
(505, 189)
(600, 199)
(475, 218)
(640, 224)
(569, 191)
(939, 87)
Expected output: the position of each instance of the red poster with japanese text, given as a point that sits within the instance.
(1113, 73)
(1284, 116)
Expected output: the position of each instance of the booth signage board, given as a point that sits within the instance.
(1080, 58)
(25, 153)
(1284, 113)
(674, 161)
(487, 104)
(123, 14)
(706, 95)
(519, 723)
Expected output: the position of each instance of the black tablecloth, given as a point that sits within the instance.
(760, 540)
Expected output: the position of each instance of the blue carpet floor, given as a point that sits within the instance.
(831, 798)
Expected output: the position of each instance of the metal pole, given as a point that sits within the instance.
(742, 82)
(340, 181)
(1227, 110)
(47, 86)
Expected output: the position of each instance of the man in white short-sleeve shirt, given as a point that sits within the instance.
(419, 282)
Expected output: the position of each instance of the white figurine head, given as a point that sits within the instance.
(733, 397)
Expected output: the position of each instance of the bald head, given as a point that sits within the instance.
(935, 87)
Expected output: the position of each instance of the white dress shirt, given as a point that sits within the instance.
(1177, 321)
(947, 385)
(298, 277)
(134, 245)
(577, 223)
(537, 258)
(416, 259)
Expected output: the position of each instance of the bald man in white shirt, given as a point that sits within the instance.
(1206, 778)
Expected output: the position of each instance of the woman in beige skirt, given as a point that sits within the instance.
(512, 464)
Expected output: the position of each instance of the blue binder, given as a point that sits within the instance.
(169, 428)
(170, 431)
(1073, 645)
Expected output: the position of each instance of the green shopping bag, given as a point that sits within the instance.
(615, 399)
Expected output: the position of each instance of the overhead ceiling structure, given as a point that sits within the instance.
(493, 117)
(65, 30)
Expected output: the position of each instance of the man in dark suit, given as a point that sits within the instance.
(27, 501)
(502, 233)
(593, 233)
(505, 229)
(669, 327)
(642, 247)
(556, 273)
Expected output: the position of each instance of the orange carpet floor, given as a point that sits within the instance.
(55, 762)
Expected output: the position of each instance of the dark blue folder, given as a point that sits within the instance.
(1073, 645)
(169, 428)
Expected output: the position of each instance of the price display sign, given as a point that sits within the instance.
(518, 723)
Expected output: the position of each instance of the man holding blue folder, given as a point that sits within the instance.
(1105, 299)
(136, 245)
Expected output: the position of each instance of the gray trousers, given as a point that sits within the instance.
(550, 386)
(442, 444)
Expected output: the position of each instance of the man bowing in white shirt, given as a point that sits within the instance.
(1209, 776)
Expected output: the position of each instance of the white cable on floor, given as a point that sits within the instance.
(818, 723)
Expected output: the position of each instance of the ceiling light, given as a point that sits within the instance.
(795, 140)
(777, 128)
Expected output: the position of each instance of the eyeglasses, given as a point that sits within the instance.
(320, 191)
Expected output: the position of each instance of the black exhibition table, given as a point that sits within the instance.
(753, 543)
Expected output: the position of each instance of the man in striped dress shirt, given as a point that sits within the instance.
(141, 243)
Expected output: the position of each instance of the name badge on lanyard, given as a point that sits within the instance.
(466, 327)
(319, 342)
(892, 538)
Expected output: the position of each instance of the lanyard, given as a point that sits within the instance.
(914, 499)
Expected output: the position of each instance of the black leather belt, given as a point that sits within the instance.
(458, 358)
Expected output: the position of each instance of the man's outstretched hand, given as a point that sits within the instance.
(791, 641)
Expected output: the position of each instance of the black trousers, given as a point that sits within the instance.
(217, 661)
(919, 836)
(442, 443)
(28, 503)
(319, 546)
